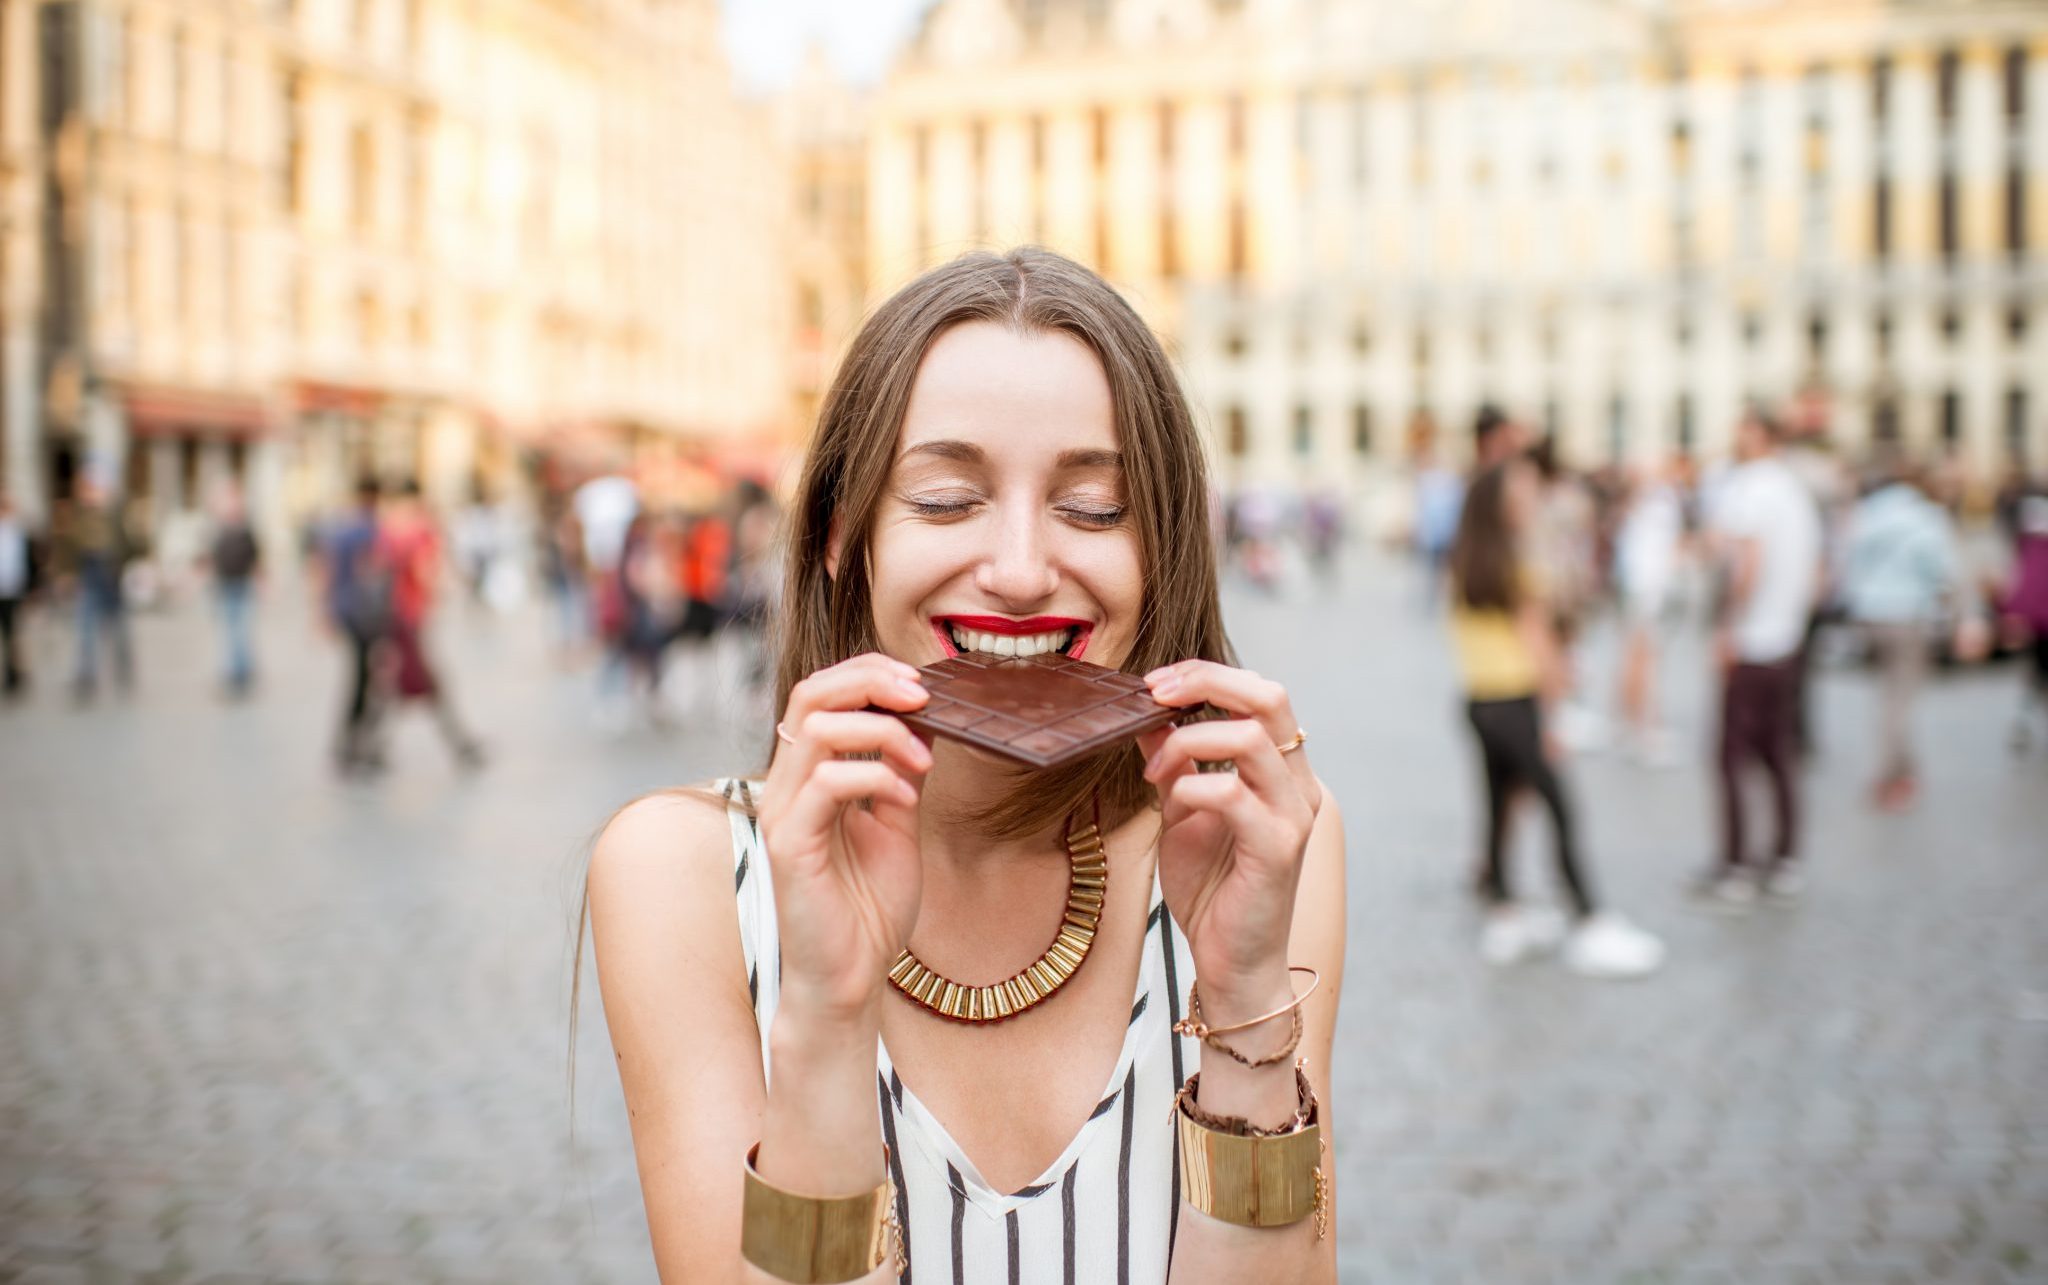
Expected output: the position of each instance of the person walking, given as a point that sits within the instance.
(235, 558)
(408, 551)
(2026, 604)
(1899, 572)
(17, 580)
(357, 600)
(19, 565)
(92, 555)
(1646, 565)
(1767, 534)
(1508, 658)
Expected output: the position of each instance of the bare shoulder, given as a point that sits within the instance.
(661, 872)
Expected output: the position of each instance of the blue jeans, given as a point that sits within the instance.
(235, 598)
(100, 606)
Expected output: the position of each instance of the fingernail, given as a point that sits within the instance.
(909, 688)
(1166, 686)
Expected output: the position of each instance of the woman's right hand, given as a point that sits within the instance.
(847, 878)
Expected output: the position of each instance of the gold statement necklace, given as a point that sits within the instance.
(1087, 882)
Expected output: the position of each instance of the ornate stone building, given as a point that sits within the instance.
(293, 240)
(1618, 218)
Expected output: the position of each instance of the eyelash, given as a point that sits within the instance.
(1101, 518)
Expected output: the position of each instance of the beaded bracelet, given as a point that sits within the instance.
(1193, 1025)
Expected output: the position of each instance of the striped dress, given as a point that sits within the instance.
(1105, 1211)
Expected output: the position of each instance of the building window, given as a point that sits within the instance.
(1884, 336)
(2015, 83)
(977, 146)
(1881, 87)
(1235, 439)
(1361, 338)
(1951, 324)
(1946, 210)
(1951, 417)
(1816, 338)
(1884, 422)
(1233, 343)
(1304, 430)
(1945, 77)
(1361, 428)
(2016, 424)
(2016, 324)
(2016, 212)
(1239, 250)
(1234, 124)
(1169, 233)
(1361, 137)
(1881, 217)
(1687, 430)
(1099, 129)
(362, 175)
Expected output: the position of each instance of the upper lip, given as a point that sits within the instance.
(1005, 625)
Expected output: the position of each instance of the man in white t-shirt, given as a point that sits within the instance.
(1767, 533)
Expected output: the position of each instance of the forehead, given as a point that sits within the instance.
(1014, 394)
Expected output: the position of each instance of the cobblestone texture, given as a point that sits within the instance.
(260, 1025)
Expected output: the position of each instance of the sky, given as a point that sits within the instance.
(766, 39)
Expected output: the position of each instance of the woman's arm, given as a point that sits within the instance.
(673, 974)
(1208, 1249)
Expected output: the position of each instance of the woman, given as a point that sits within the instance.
(1509, 661)
(1005, 461)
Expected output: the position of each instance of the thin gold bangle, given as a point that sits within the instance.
(1193, 1026)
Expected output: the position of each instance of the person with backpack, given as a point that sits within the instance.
(357, 601)
(234, 558)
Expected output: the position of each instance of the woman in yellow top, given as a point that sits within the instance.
(1511, 667)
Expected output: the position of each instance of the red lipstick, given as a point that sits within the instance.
(1005, 625)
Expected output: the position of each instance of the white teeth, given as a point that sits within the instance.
(1010, 644)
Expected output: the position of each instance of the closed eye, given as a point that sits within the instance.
(1098, 517)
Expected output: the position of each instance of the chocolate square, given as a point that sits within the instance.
(1042, 711)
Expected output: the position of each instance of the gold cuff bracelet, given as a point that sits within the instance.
(1272, 1180)
(814, 1240)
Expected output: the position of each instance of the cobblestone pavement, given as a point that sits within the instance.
(257, 1024)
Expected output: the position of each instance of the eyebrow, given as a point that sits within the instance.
(969, 453)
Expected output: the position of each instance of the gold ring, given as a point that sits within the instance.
(1293, 743)
(782, 734)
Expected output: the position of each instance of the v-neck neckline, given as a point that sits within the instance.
(933, 1135)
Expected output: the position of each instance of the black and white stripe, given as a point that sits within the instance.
(1105, 1212)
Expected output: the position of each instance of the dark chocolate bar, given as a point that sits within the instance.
(1040, 710)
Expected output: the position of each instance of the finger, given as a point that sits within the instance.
(1222, 794)
(834, 784)
(1236, 740)
(870, 679)
(1240, 692)
(830, 734)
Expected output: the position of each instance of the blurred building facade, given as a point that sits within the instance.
(292, 241)
(1619, 219)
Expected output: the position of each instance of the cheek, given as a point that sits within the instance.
(908, 562)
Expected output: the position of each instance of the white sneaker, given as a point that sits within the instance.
(1786, 881)
(1510, 936)
(1543, 927)
(1608, 946)
(1727, 891)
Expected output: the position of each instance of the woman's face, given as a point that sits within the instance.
(1004, 526)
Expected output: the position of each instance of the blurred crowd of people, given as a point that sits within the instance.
(630, 582)
(1788, 549)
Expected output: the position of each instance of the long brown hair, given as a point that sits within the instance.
(827, 618)
(1486, 555)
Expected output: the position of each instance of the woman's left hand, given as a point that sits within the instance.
(1231, 843)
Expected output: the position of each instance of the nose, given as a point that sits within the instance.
(1017, 570)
